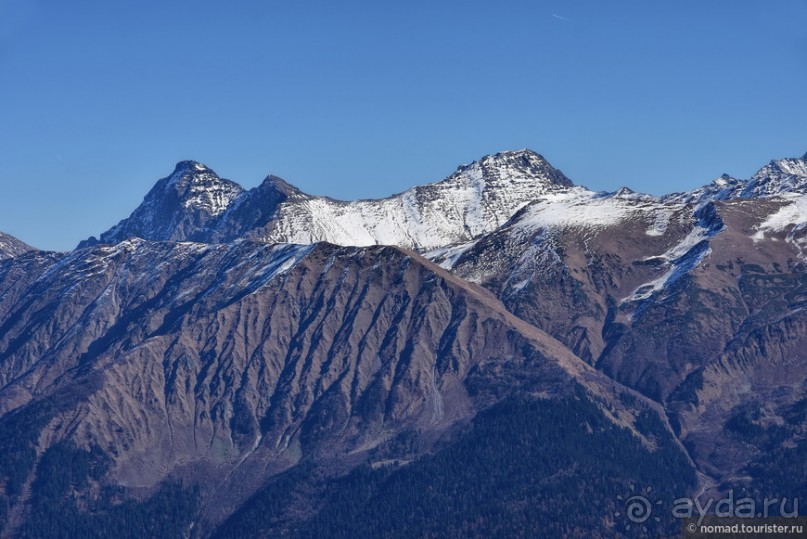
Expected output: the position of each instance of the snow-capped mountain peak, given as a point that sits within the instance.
(199, 188)
(792, 166)
(180, 206)
(517, 166)
(778, 177)
(189, 165)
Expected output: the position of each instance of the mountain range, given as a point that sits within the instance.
(194, 204)
(498, 353)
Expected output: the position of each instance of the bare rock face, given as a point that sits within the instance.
(227, 364)
(699, 306)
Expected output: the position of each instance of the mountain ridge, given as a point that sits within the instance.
(194, 204)
(238, 380)
(473, 200)
(230, 363)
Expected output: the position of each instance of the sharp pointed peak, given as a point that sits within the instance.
(281, 185)
(190, 177)
(275, 180)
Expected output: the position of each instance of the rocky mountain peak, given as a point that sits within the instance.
(793, 166)
(780, 176)
(516, 166)
(189, 165)
(186, 173)
(180, 206)
(276, 183)
(524, 157)
(776, 178)
(200, 188)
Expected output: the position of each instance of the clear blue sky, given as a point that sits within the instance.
(99, 99)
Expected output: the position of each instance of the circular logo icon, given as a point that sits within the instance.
(637, 508)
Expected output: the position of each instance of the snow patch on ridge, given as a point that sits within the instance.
(678, 269)
(262, 265)
(683, 257)
(580, 208)
(446, 257)
(793, 214)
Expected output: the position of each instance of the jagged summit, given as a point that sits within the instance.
(778, 177)
(180, 206)
(790, 166)
(516, 166)
(186, 173)
(200, 188)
